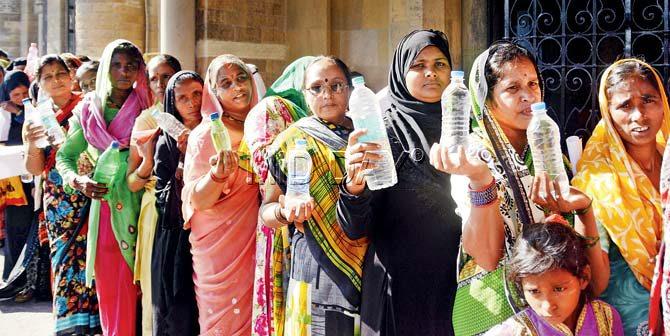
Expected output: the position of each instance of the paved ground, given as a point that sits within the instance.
(29, 319)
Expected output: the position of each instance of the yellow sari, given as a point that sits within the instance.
(625, 201)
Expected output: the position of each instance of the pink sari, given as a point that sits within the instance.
(222, 237)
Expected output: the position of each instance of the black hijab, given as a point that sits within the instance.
(428, 116)
(17, 62)
(13, 79)
(169, 101)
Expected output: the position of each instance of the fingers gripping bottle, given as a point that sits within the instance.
(299, 171)
(33, 115)
(55, 133)
(219, 132)
(544, 139)
(455, 113)
(366, 113)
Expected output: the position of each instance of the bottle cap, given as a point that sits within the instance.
(214, 116)
(26, 101)
(155, 112)
(115, 145)
(360, 80)
(457, 74)
(537, 107)
(301, 143)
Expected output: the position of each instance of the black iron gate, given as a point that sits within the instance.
(575, 40)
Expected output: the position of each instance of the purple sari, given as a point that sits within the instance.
(596, 318)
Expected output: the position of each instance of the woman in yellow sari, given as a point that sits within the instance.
(620, 170)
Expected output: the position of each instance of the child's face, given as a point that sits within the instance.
(554, 295)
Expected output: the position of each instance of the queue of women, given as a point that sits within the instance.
(188, 240)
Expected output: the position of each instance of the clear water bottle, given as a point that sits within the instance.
(219, 132)
(108, 165)
(455, 113)
(544, 139)
(34, 116)
(299, 166)
(366, 113)
(55, 133)
(168, 123)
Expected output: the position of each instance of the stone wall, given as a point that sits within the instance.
(254, 30)
(99, 22)
(18, 24)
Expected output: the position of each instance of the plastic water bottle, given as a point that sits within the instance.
(33, 115)
(107, 165)
(455, 113)
(366, 113)
(544, 139)
(220, 136)
(168, 123)
(32, 61)
(299, 166)
(55, 134)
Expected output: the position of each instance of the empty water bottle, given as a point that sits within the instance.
(108, 165)
(544, 139)
(168, 123)
(33, 116)
(53, 130)
(299, 171)
(366, 113)
(455, 113)
(219, 132)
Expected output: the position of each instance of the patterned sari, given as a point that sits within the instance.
(75, 305)
(628, 207)
(484, 299)
(325, 281)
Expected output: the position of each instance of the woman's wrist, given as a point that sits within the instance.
(214, 177)
(480, 181)
(279, 216)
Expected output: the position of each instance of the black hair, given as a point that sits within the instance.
(17, 62)
(340, 64)
(3, 54)
(501, 53)
(630, 69)
(130, 50)
(545, 247)
(86, 67)
(49, 59)
(172, 61)
(83, 58)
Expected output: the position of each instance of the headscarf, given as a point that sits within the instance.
(169, 102)
(428, 116)
(625, 201)
(494, 139)
(13, 79)
(289, 84)
(96, 130)
(259, 84)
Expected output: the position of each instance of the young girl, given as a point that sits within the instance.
(550, 268)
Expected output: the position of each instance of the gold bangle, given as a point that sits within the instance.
(583, 211)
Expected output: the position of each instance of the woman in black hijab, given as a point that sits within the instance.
(175, 311)
(409, 277)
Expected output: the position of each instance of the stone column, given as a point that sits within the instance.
(177, 32)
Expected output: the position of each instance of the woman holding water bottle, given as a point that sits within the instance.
(495, 190)
(220, 202)
(64, 216)
(324, 285)
(621, 169)
(408, 278)
(121, 93)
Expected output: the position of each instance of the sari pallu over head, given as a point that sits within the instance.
(96, 131)
(624, 200)
(196, 164)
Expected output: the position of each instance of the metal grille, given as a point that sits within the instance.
(575, 40)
